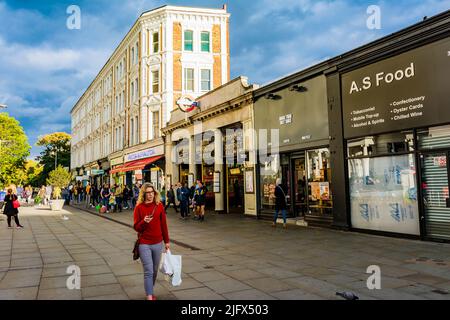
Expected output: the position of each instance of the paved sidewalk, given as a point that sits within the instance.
(233, 258)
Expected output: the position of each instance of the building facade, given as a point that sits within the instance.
(364, 138)
(214, 143)
(169, 53)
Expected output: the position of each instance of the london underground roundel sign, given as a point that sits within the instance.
(187, 104)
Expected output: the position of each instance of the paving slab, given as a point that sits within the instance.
(226, 286)
(101, 290)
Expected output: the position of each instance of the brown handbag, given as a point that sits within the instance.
(136, 248)
(136, 255)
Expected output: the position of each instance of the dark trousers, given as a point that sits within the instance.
(16, 219)
(119, 204)
(184, 208)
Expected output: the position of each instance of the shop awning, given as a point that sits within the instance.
(135, 165)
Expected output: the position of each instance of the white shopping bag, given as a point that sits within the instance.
(171, 268)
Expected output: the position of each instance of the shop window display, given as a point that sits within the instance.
(383, 189)
(276, 167)
(319, 182)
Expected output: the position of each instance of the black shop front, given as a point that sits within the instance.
(396, 129)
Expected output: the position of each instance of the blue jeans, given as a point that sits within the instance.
(150, 256)
(283, 212)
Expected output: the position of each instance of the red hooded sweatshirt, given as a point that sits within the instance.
(154, 232)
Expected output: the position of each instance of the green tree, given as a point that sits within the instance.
(28, 174)
(58, 179)
(56, 152)
(14, 148)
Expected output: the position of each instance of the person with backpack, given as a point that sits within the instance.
(12, 209)
(280, 203)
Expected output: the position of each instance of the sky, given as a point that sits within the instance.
(45, 67)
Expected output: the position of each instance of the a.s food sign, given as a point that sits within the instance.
(406, 91)
(382, 78)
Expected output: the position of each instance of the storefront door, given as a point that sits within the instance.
(235, 190)
(435, 193)
(300, 186)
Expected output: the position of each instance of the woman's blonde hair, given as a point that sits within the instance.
(141, 198)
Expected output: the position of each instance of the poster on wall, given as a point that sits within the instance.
(249, 185)
(389, 202)
(315, 191)
(154, 178)
(216, 182)
(190, 180)
(324, 191)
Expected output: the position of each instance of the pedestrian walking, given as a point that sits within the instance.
(184, 193)
(200, 200)
(118, 194)
(88, 195)
(41, 195)
(280, 203)
(176, 193)
(126, 197)
(47, 195)
(105, 193)
(136, 190)
(171, 199)
(28, 194)
(71, 187)
(11, 209)
(94, 195)
(151, 224)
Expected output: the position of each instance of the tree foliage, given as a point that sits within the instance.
(59, 178)
(14, 149)
(56, 147)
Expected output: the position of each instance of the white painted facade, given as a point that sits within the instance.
(115, 115)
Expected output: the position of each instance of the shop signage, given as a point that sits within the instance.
(116, 161)
(96, 172)
(216, 182)
(156, 151)
(286, 119)
(402, 92)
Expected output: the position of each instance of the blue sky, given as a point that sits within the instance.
(45, 67)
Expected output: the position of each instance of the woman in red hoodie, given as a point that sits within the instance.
(151, 224)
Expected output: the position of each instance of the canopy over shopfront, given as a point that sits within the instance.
(135, 165)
